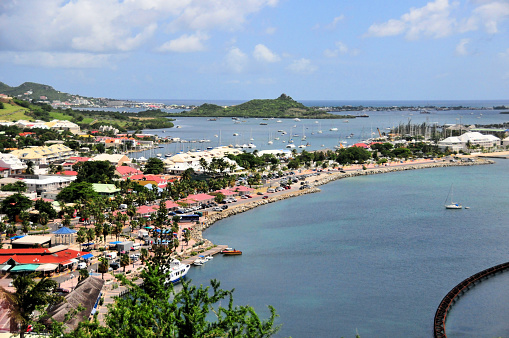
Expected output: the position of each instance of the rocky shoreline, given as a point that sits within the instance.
(211, 219)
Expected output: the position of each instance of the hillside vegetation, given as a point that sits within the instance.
(15, 109)
(282, 107)
(37, 90)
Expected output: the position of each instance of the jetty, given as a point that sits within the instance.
(451, 297)
(210, 252)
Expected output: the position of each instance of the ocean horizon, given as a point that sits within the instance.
(339, 103)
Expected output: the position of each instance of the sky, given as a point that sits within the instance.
(247, 49)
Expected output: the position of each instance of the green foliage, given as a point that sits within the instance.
(29, 297)
(38, 90)
(154, 166)
(19, 186)
(77, 191)
(157, 310)
(282, 107)
(2, 105)
(45, 207)
(15, 205)
(96, 172)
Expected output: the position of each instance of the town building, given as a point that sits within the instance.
(469, 141)
(11, 165)
(44, 154)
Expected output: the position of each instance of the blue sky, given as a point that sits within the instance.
(231, 49)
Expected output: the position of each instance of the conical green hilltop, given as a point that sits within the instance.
(282, 107)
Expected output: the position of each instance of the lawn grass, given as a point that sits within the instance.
(60, 116)
(13, 113)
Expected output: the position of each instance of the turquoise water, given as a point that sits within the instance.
(373, 255)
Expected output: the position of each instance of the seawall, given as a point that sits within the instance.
(320, 180)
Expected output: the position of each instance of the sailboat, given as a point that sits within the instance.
(452, 205)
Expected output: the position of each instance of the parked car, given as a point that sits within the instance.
(259, 193)
(82, 265)
(265, 197)
(115, 265)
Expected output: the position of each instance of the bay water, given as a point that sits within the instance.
(373, 255)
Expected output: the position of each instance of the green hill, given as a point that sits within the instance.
(282, 107)
(37, 90)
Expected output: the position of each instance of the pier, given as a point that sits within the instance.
(208, 252)
(456, 292)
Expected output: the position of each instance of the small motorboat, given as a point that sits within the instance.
(231, 252)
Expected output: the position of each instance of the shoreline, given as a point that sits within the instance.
(213, 218)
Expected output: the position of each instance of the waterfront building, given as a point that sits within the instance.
(469, 139)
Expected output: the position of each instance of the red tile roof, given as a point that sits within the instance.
(38, 256)
(68, 173)
(126, 170)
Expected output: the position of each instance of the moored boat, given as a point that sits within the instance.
(231, 252)
(177, 271)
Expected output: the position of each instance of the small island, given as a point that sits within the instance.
(282, 107)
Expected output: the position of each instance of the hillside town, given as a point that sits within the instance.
(79, 208)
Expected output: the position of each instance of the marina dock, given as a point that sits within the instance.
(210, 252)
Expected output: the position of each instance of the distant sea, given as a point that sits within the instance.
(338, 103)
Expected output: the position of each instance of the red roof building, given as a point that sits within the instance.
(125, 171)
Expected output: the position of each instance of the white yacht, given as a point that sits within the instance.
(177, 271)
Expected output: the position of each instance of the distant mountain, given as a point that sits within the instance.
(282, 107)
(31, 90)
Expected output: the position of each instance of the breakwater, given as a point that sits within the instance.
(326, 177)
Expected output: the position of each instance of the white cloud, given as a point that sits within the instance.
(302, 66)
(461, 47)
(185, 44)
(58, 60)
(236, 60)
(270, 30)
(112, 25)
(341, 49)
(223, 14)
(331, 25)
(491, 14)
(504, 54)
(432, 20)
(263, 54)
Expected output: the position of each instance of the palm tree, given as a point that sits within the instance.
(90, 234)
(81, 236)
(83, 275)
(124, 260)
(103, 266)
(144, 254)
(43, 220)
(29, 296)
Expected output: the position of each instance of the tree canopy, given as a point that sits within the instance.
(77, 191)
(96, 172)
(15, 204)
(154, 166)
